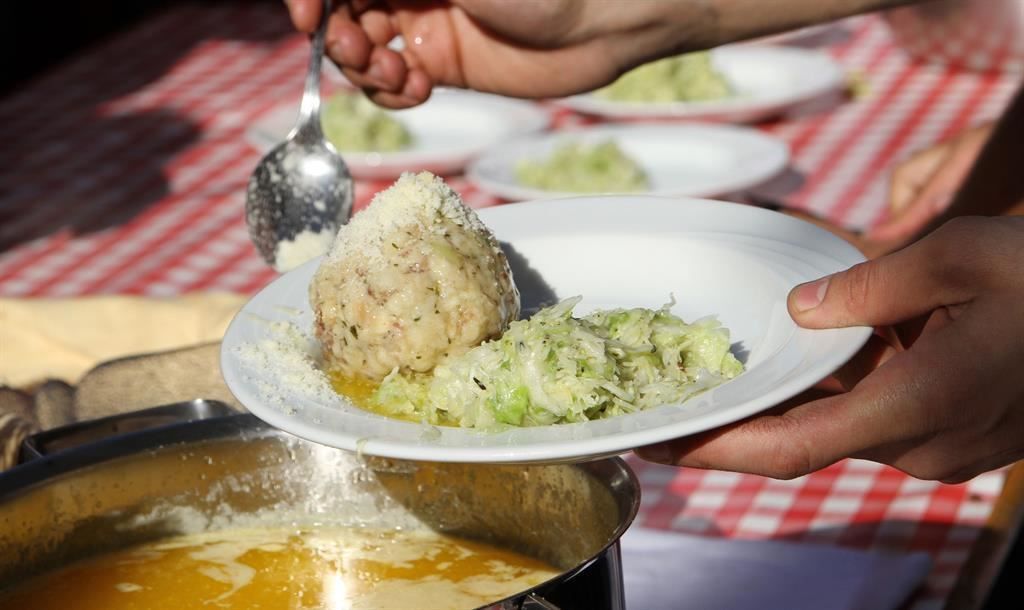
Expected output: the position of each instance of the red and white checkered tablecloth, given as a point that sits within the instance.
(123, 171)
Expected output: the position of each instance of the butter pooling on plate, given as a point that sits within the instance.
(684, 78)
(582, 167)
(415, 310)
(355, 124)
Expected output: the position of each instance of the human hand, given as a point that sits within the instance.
(944, 400)
(923, 185)
(527, 49)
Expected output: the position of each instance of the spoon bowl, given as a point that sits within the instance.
(300, 193)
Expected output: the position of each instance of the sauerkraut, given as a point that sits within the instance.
(578, 167)
(556, 368)
(355, 124)
(684, 78)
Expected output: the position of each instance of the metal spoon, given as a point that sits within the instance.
(300, 194)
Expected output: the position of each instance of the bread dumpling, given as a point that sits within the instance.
(410, 280)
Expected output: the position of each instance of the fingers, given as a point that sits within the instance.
(891, 289)
(912, 175)
(357, 43)
(930, 200)
(384, 70)
(889, 417)
(347, 43)
(415, 90)
(928, 204)
(305, 14)
(782, 445)
(880, 347)
(952, 395)
(924, 186)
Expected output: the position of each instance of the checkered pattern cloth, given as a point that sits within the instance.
(123, 171)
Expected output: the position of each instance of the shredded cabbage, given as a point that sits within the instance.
(578, 167)
(555, 368)
(684, 78)
(355, 124)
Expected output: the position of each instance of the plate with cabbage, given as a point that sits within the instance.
(737, 84)
(546, 331)
(693, 160)
(441, 135)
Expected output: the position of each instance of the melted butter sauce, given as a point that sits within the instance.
(288, 569)
(360, 393)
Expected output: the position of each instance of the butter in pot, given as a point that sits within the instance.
(199, 485)
(328, 568)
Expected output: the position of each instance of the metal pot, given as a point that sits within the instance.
(138, 487)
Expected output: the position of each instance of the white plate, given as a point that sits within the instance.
(734, 261)
(798, 36)
(680, 160)
(449, 130)
(768, 80)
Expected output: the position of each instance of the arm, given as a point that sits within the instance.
(972, 173)
(743, 19)
(996, 183)
(537, 48)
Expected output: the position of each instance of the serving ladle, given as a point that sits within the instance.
(300, 193)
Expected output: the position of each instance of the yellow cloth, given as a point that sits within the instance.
(62, 338)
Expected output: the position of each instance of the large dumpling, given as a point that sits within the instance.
(410, 280)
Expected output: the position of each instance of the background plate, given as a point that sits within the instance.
(448, 130)
(768, 80)
(679, 160)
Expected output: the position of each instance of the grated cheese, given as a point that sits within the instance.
(421, 200)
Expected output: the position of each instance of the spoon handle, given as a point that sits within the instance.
(309, 111)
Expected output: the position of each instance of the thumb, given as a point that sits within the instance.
(891, 289)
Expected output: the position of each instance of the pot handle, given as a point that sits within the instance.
(50, 441)
(535, 602)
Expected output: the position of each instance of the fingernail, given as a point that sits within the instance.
(659, 454)
(376, 74)
(810, 295)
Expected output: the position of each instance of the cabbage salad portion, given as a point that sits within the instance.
(579, 167)
(684, 78)
(555, 368)
(355, 124)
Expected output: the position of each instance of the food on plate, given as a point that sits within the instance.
(415, 309)
(555, 368)
(580, 167)
(353, 123)
(323, 567)
(412, 279)
(684, 78)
